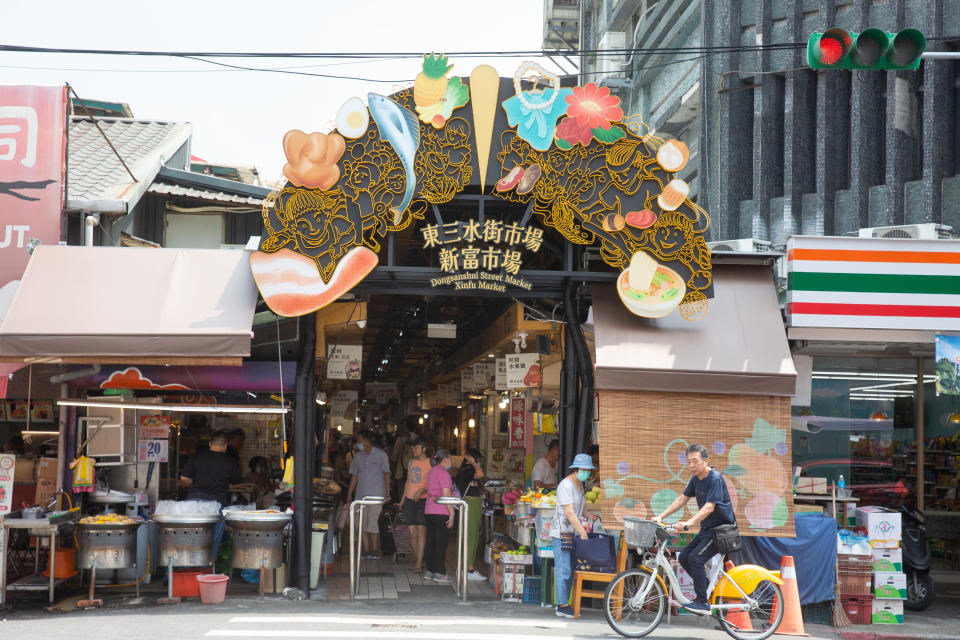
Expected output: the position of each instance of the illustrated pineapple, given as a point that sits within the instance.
(431, 83)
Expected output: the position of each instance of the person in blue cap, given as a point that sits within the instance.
(566, 520)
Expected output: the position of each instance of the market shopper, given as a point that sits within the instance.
(467, 482)
(415, 500)
(369, 477)
(545, 474)
(235, 440)
(440, 517)
(565, 524)
(714, 508)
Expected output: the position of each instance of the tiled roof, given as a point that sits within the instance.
(202, 194)
(93, 170)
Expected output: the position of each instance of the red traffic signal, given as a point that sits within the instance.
(868, 49)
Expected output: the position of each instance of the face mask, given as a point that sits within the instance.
(582, 475)
(359, 446)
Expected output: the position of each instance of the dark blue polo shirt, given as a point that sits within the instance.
(711, 489)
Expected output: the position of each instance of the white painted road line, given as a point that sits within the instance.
(423, 622)
(416, 634)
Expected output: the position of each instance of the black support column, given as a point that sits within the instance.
(304, 427)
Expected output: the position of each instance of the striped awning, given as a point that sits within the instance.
(872, 283)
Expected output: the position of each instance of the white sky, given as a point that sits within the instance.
(239, 117)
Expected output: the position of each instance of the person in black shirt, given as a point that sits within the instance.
(714, 508)
(209, 475)
(467, 483)
(235, 440)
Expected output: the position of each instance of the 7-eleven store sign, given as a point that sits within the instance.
(873, 283)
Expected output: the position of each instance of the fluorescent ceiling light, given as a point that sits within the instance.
(186, 408)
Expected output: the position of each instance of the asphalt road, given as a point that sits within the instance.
(278, 618)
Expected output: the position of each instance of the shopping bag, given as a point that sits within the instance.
(596, 553)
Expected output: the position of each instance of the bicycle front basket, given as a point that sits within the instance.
(640, 534)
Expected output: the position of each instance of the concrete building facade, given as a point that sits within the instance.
(778, 149)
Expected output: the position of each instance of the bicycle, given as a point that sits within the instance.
(746, 600)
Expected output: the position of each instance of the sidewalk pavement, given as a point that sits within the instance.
(940, 622)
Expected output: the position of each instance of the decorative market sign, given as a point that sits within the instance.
(154, 427)
(483, 375)
(567, 155)
(343, 361)
(466, 379)
(523, 370)
(481, 256)
(518, 422)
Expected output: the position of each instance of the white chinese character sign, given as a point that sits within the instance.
(466, 379)
(523, 370)
(518, 422)
(343, 404)
(568, 159)
(484, 374)
(343, 361)
(501, 378)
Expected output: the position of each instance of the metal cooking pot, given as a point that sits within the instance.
(107, 545)
(257, 538)
(185, 540)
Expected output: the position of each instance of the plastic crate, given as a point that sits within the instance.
(855, 583)
(854, 563)
(858, 608)
(818, 612)
(531, 590)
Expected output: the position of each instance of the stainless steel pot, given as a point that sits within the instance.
(185, 541)
(257, 538)
(107, 545)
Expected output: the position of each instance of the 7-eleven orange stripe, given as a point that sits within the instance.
(849, 255)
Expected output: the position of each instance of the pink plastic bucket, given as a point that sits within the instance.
(213, 588)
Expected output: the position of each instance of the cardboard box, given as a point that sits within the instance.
(889, 560)
(47, 468)
(24, 470)
(890, 585)
(882, 525)
(275, 586)
(886, 612)
(46, 487)
(810, 484)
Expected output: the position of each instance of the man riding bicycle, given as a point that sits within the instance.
(713, 502)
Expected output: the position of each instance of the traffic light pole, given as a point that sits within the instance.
(940, 55)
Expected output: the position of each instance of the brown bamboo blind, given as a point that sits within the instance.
(643, 436)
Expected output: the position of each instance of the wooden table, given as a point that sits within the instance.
(39, 527)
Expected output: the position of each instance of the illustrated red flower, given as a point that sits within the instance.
(571, 131)
(593, 106)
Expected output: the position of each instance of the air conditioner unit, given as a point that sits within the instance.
(611, 65)
(926, 231)
(740, 245)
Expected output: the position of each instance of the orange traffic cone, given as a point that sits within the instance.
(739, 619)
(792, 623)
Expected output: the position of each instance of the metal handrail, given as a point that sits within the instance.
(356, 532)
(462, 562)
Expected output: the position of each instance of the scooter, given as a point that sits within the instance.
(916, 560)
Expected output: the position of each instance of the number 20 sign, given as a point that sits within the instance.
(153, 451)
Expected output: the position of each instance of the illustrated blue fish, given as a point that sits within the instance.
(400, 128)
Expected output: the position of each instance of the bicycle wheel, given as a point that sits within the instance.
(628, 618)
(758, 622)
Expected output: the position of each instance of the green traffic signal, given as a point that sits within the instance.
(869, 49)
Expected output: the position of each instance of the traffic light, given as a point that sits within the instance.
(870, 49)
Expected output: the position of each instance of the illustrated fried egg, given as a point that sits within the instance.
(352, 118)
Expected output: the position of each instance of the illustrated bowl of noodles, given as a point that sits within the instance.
(650, 289)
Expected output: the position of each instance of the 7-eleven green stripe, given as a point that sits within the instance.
(873, 282)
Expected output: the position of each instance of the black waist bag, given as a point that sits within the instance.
(726, 538)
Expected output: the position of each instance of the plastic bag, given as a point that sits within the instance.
(187, 508)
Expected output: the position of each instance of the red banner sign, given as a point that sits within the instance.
(32, 162)
(518, 423)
